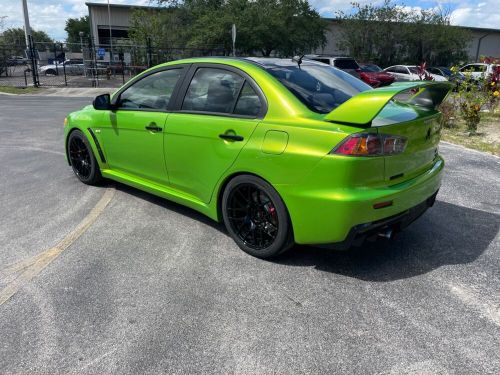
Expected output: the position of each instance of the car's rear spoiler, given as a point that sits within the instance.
(364, 107)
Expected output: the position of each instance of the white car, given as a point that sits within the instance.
(478, 70)
(410, 73)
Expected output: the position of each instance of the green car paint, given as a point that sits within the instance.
(290, 147)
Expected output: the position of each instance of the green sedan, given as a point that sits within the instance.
(282, 151)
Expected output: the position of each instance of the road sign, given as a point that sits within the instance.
(101, 52)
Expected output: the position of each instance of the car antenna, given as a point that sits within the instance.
(298, 59)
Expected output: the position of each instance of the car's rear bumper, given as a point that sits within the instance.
(326, 216)
(386, 227)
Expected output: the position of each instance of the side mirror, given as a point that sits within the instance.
(102, 102)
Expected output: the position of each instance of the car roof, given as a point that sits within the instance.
(267, 62)
(314, 56)
(262, 62)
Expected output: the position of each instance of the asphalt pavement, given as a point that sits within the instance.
(149, 287)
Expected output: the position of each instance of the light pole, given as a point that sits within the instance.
(110, 37)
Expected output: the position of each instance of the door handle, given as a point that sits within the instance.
(232, 137)
(153, 127)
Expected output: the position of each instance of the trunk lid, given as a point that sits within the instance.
(421, 129)
(408, 110)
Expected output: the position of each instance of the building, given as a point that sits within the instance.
(119, 15)
(484, 41)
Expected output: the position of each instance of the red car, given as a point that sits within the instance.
(374, 75)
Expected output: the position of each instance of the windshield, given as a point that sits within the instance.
(371, 68)
(446, 71)
(321, 88)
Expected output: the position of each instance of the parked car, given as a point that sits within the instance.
(478, 70)
(446, 73)
(410, 73)
(442, 71)
(277, 149)
(17, 60)
(347, 64)
(71, 66)
(375, 76)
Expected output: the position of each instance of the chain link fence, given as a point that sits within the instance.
(86, 64)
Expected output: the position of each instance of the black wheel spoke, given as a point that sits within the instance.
(80, 158)
(252, 216)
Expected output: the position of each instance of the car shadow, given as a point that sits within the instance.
(169, 205)
(446, 234)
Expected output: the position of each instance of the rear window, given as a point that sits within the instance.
(321, 88)
(370, 68)
(346, 64)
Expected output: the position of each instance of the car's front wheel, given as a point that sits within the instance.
(256, 217)
(82, 159)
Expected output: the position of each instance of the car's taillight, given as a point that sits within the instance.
(367, 144)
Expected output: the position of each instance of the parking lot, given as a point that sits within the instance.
(113, 280)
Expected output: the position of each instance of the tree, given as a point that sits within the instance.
(15, 39)
(73, 28)
(283, 27)
(390, 33)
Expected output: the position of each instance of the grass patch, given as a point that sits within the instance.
(19, 90)
(487, 138)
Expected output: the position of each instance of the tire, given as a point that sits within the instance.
(256, 217)
(50, 72)
(82, 159)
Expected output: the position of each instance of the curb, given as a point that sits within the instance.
(469, 149)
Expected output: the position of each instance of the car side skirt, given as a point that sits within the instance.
(162, 191)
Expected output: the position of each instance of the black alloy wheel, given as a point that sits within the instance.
(256, 217)
(82, 159)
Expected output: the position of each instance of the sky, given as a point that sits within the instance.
(50, 15)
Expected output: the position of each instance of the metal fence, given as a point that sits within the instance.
(86, 64)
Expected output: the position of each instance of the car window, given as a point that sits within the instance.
(248, 103)
(212, 90)
(400, 70)
(446, 71)
(391, 70)
(324, 61)
(473, 68)
(346, 64)
(413, 69)
(321, 88)
(434, 71)
(151, 92)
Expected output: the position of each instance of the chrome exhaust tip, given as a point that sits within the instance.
(386, 233)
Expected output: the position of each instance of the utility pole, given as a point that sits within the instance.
(29, 43)
(233, 38)
(27, 28)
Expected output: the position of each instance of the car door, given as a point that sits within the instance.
(399, 73)
(132, 134)
(68, 67)
(215, 118)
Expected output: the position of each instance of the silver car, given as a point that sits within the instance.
(72, 66)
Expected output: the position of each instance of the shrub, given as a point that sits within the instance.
(471, 99)
(448, 114)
